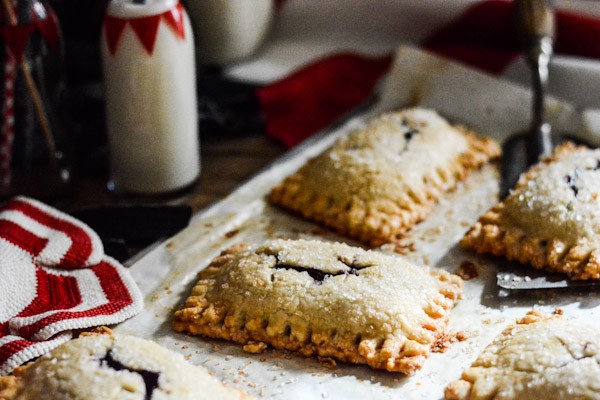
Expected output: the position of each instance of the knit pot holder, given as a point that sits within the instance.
(109, 366)
(54, 279)
(324, 299)
(552, 218)
(377, 182)
(540, 357)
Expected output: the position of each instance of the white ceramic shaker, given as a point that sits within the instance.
(228, 31)
(150, 86)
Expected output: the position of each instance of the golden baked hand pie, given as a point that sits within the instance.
(376, 183)
(110, 366)
(552, 218)
(538, 358)
(324, 299)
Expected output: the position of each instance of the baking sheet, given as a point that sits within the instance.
(167, 273)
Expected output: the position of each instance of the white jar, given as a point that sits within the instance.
(150, 86)
(229, 30)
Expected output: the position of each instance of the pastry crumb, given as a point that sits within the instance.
(327, 362)
(232, 233)
(255, 347)
(467, 270)
(99, 330)
(448, 339)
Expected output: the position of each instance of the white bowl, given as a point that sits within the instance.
(226, 31)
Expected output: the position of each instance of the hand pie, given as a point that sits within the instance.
(376, 183)
(538, 358)
(109, 366)
(552, 218)
(324, 299)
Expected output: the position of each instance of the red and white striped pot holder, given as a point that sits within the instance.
(54, 277)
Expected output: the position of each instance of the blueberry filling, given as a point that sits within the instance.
(410, 133)
(150, 378)
(571, 179)
(316, 274)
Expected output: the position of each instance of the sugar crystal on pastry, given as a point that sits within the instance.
(540, 357)
(551, 220)
(324, 299)
(381, 179)
(111, 366)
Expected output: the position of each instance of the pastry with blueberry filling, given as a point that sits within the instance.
(540, 357)
(110, 366)
(551, 220)
(323, 299)
(380, 180)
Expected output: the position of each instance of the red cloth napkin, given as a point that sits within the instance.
(483, 37)
(315, 96)
(54, 278)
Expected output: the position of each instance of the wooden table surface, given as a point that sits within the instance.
(225, 164)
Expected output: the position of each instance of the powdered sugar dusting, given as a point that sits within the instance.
(563, 200)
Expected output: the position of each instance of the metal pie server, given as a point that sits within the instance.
(535, 24)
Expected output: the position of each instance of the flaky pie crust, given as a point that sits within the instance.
(10, 385)
(495, 234)
(289, 310)
(81, 369)
(363, 212)
(539, 357)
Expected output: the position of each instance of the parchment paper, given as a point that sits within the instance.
(167, 273)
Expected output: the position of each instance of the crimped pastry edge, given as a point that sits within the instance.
(375, 227)
(489, 235)
(461, 389)
(200, 317)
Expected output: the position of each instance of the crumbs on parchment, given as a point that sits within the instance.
(467, 270)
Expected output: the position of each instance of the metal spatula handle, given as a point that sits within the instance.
(535, 23)
(535, 19)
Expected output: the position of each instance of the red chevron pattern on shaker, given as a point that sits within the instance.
(145, 28)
